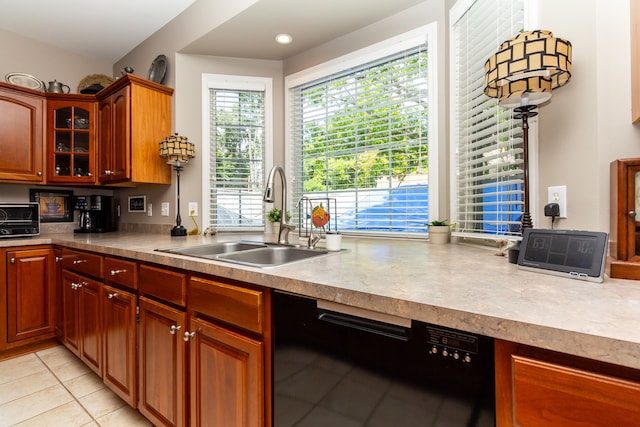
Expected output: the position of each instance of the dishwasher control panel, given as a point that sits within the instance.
(451, 343)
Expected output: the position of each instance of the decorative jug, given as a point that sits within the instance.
(57, 87)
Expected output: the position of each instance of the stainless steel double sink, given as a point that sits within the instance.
(254, 254)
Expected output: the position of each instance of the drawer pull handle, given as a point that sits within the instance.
(58, 258)
(114, 272)
(75, 285)
(188, 335)
(174, 328)
(113, 295)
(79, 261)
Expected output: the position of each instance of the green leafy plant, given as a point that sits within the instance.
(440, 223)
(275, 215)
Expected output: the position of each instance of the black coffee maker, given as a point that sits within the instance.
(96, 214)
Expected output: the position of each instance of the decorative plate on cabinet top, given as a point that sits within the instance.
(158, 69)
(25, 80)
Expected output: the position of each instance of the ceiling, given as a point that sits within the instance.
(251, 34)
(105, 30)
(108, 30)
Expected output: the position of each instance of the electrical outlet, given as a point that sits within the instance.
(149, 209)
(164, 209)
(193, 208)
(558, 194)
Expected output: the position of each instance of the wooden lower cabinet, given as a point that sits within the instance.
(226, 380)
(82, 318)
(119, 333)
(57, 296)
(30, 293)
(535, 387)
(163, 368)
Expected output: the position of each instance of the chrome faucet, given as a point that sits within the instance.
(313, 240)
(268, 196)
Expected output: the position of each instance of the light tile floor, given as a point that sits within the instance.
(53, 388)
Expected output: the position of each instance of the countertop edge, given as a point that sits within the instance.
(590, 345)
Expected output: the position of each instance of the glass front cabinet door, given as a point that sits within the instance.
(71, 141)
(624, 250)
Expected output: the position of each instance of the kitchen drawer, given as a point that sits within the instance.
(121, 272)
(167, 285)
(83, 262)
(231, 304)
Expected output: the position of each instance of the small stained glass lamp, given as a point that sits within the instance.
(178, 151)
(521, 74)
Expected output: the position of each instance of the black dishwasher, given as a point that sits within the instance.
(339, 369)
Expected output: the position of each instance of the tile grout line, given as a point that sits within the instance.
(66, 388)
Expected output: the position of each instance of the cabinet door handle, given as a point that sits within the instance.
(58, 258)
(112, 295)
(632, 214)
(39, 173)
(174, 328)
(75, 285)
(108, 172)
(79, 261)
(89, 174)
(114, 272)
(188, 335)
(13, 260)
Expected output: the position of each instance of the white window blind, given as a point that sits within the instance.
(236, 164)
(488, 141)
(360, 145)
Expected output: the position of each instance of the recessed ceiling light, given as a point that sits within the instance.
(284, 38)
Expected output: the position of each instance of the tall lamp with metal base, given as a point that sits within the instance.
(178, 151)
(522, 75)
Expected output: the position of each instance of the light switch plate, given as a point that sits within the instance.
(164, 209)
(149, 209)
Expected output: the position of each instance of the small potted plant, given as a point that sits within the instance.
(439, 231)
(274, 216)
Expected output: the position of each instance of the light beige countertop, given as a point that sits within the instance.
(450, 285)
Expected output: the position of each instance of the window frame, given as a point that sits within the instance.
(424, 34)
(530, 21)
(232, 82)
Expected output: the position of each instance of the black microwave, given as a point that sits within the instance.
(19, 219)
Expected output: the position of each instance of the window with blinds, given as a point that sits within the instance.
(236, 158)
(488, 164)
(360, 145)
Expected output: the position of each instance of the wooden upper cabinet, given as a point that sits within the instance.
(22, 136)
(635, 61)
(71, 140)
(134, 116)
(115, 140)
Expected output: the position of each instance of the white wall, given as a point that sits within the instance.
(188, 102)
(24, 55)
(587, 123)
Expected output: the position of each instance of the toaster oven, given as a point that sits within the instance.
(19, 219)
